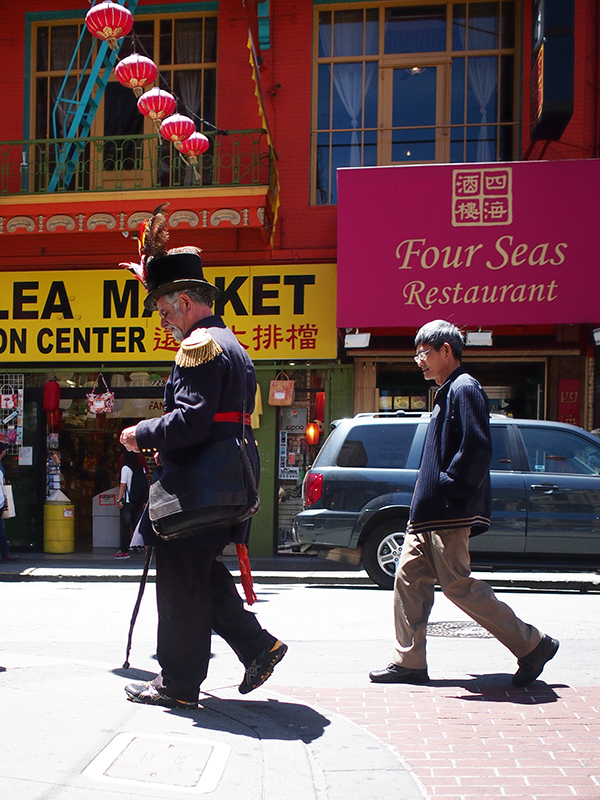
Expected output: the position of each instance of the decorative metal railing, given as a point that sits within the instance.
(128, 163)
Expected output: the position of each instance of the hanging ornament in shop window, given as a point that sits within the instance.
(109, 22)
(135, 72)
(50, 402)
(51, 399)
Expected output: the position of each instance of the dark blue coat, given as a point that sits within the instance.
(193, 395)
(453, 488)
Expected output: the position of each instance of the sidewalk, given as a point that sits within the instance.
(466, 741)
(298, 569)
(461, 737)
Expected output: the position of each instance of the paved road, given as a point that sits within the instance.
(318, 729)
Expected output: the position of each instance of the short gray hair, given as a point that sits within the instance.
(196, 295)
(439, 332)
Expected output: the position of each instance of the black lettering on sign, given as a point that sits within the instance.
(230, 295)
(81, 340)
(260, 294)
(130, 297)
(20, 299)
(299, 282)
(57, 302)
(136, 340)
(42, 345)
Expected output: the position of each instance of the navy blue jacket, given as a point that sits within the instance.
(193, 395)
(453, 488)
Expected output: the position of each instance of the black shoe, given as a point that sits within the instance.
(262, 666)
(530, 666)
(394, 673)
(150, 695)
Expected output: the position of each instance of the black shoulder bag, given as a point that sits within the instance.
(213, 487)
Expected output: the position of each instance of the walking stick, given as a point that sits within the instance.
(136, 608)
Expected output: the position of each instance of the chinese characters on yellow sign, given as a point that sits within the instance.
(277, 312)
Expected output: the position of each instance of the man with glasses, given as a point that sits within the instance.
(451, 503)
(208, 398)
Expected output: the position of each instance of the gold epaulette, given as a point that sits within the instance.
(198, 348)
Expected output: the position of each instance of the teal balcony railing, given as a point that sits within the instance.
(134, 163)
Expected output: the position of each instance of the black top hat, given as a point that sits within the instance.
(174, 273)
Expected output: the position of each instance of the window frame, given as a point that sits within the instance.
(387, 61)
(62, 20)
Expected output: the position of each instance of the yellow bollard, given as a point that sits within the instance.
(59, 536)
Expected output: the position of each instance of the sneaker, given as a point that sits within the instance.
(531, 665)
(262, 666)
(121, 554)
(10, 557)
(147, 693)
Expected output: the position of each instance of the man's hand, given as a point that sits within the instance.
(128, 439)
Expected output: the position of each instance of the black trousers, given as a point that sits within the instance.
(129, 516)
(195, 595)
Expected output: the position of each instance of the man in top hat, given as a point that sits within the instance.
(204, 401)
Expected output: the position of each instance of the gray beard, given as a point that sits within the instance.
(177, 333)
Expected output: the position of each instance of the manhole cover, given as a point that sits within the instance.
(174, 762)
(458, 630)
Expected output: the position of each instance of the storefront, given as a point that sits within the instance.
(88, 332)
(508, 252)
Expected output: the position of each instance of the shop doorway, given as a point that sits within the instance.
(88, 451)
(516, 388)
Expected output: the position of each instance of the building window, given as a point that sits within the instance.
(183, 47)
(408, 83)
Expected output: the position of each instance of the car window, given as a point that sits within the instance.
(550, 450)
(500, 450)
(377, 446)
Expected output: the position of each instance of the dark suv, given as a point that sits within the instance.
(545, 489)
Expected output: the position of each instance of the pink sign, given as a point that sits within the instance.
(478, 244)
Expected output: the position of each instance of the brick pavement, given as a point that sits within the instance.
(463, 741)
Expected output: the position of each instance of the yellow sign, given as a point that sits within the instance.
(277, 312)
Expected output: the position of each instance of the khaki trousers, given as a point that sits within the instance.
(443, 557)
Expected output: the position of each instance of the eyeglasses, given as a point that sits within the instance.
(421, 356)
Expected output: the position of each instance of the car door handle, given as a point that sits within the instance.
(544, 487)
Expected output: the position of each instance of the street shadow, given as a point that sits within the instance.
(262, 719)
(134, 674)
(497, 688)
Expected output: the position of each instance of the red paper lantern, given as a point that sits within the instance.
(51, 397)
(109, 22)
(320, 406)
(135, 72)
(313, 433)
(157, 104)
(176, 128)
(194, 146)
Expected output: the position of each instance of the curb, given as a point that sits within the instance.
(554, 582)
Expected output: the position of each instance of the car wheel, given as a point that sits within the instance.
(381, 552)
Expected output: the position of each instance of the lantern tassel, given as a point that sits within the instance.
(246, 574)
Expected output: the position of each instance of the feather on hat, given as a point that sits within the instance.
(161, 270)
